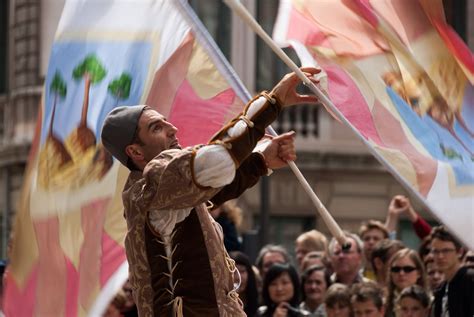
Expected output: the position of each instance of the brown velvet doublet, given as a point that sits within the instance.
(178, 263)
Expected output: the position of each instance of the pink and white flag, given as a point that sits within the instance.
(404, 81)
(68, 254)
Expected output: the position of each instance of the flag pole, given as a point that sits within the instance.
(331, 224)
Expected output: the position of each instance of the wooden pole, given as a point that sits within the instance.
(331, 224)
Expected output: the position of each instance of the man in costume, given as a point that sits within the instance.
(178, 263)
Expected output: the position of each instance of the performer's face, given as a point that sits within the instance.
(156, 134)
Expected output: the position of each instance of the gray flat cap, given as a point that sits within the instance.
(119, 129)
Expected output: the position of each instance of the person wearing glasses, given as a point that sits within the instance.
(406, 269)
(455, 297)
(347, 264)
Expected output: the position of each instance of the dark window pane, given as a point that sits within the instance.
(215, 15)
(270, 69)
(455, 11)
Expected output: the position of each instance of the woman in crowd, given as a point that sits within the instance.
(405, 269)
(314, 281)
(229, 216)
(248, 286)
(338, 301)
(413, 301)
(280, 292)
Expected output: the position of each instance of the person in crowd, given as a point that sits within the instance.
(229, 216)
(424, 250)
(413, 301)
(346, 263)
(405, 269)
(116, 305)
(269, 255)
(367, 300)
(247, 290)
(280, 292)
(338, 301)
(3, 265)
(455, 297)
(381, 254)
(371, 232)
(401, 205)
(178, 263)
(314, 258)
(314, 281)
(129, 309)
(469, 259)
(309, 241)
(434, 274)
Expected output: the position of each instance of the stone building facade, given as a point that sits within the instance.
(349, 181)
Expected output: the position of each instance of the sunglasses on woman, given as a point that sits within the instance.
(406, 269)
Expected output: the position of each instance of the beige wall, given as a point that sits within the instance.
(50, 14)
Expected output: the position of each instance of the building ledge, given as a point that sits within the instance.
(14, 153)
(338, 161)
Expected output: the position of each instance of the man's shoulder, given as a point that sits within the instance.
(175, 159)
(133, 179)
(465, 275)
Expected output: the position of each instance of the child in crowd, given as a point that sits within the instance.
(367, 300)
(413, 301)
(338, 301)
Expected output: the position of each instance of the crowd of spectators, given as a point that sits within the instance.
(377, 276)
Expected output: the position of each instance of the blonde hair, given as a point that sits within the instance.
(371, 225)
(233, 212)
(313, 240)
(422, 280)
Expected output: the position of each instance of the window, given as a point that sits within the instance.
(270, 68)
(215, 15)
(285, 229)
(455, 11)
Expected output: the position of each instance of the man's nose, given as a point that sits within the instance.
(171, 128)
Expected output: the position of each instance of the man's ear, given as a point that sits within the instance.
(134, 152)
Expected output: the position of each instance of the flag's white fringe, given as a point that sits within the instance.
(110, 289)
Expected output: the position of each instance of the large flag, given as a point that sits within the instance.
(404, 81)
(68, 245)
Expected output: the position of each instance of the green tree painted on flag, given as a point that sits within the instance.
(92, 72)
(120, 87)
(59, 89)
